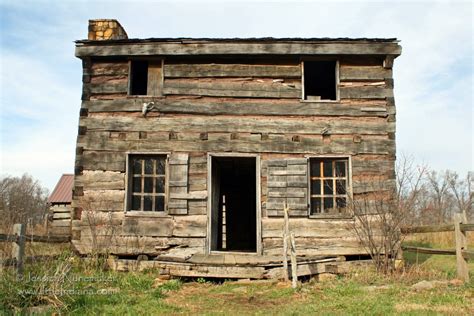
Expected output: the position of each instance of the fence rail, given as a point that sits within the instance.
(35, 238)
(18, 239)
(460, 228)
(435, 228)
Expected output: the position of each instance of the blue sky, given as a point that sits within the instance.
(40, 81)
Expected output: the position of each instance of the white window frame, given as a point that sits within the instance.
(127, 200)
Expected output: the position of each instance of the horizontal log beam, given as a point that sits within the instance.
(242, 124)
(364, 73)
(115, 161)
(365, 92)
(109, 68)
(109, 88)
(191, 48)
(231, 70)
(313, 146)
(232, 89)
(239, 107)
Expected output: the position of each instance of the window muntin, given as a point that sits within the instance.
(328, 185)
(147, 183)
(320, 80)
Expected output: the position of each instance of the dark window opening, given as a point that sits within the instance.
(234, 204)
(328, 185)
(139, 77)
(146, 189)
(320, 80)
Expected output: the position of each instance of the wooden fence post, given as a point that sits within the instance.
(18, 249)
(289, 242)
(461, 245)
(294, 264)
(286, 229)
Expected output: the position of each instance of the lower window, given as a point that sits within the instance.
(147, 183)
(329, 185)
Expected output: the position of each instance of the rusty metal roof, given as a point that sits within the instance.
(62, 193)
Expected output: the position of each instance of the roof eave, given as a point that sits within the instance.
(170, 47)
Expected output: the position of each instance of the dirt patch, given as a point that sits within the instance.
(199, 298)
(449, 310)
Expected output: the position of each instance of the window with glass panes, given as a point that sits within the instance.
(147, 183)
(329, 185)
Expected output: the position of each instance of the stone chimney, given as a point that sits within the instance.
(106, 29)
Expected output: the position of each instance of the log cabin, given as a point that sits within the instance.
(188, 149)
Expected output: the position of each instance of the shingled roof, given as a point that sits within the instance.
(62, 193)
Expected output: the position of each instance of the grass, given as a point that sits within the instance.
(351, 295)
(95, 292)
(362, 292)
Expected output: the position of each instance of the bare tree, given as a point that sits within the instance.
(463, 192)
(21, 199)
(438, 183)
(380, 213)
(97, 223)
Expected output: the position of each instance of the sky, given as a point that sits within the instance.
(40, 79)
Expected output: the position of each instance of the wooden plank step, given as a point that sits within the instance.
(230, 259)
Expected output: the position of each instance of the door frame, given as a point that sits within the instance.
(258, 201)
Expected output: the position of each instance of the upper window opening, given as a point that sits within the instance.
(320, 80)
(146, 77)
(329, 183)
(146, 191)
(139, 77)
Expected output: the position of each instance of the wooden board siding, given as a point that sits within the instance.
(178, 184)
(239, 106)
(60, 222)
(287, 182)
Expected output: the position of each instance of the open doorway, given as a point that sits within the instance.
(233, 204)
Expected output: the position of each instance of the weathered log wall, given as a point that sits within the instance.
(232, 105)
